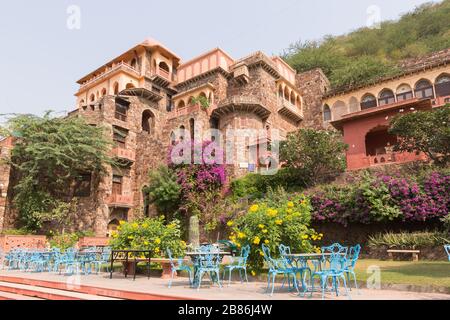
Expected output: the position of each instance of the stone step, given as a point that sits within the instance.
(14, 296)
(47, 293)
(97, 291)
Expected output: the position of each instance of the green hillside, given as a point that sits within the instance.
(366, 54)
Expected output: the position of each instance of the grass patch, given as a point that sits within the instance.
(422, 273)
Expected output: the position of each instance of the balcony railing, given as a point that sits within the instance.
(123, 153)
(120, 66)
(183, 111)
(395, 157)
(120, 200)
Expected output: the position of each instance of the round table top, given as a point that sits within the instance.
(206, 253)
(301, 255)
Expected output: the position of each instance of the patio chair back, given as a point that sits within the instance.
(335, 248)
(336, 262)
(245, 252)
(284, 250)
(353, 255)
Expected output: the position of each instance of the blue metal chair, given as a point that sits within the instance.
(209, 263)
(276, 267)
(298, 266)
(178, 265)
(333, 267)
(352, 258)
(101, 259)
(238, 263)
(447, 249)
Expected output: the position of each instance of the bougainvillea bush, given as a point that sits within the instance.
(381, 198)
(150, 234)
(201, 174)
(274, 223)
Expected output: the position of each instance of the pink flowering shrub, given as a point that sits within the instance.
(383, 198)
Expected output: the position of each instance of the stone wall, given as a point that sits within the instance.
(313, 85)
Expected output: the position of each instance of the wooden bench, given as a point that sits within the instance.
(414, 253)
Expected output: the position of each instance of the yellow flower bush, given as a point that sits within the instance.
(273, 222)
(150, 234)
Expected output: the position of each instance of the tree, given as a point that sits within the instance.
(317, 153)
(425, 131)
(163, 190)
(48, 157)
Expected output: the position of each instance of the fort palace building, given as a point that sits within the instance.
(147, 94)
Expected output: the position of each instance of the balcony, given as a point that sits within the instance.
(241, 74)
(122, 66)
(248, 104)
(119, 200)
(161, 77)
(289, 110)
(183, 111)
(123, 153)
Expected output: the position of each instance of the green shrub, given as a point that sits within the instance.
(64, 241)
(16, 232)
(163, 189)
(409, 240)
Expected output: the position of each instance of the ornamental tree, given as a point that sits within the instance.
(317, 153)
(49, 156)
(425, 131)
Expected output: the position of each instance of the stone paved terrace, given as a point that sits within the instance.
(180, 289)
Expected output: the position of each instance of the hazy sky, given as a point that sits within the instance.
(41, 58)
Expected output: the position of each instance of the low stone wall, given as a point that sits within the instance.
(358, 233)
(426, 253)
(8, 242)
(93, 242)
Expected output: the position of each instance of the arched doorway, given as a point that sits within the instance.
(148, 121)
(379, 141)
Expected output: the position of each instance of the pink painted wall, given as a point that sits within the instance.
(355, 133)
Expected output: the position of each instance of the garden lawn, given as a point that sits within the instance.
(422, 273)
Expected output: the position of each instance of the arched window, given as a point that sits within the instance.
(280, 92)
(292, 98)
(182, 132)
(134, 63)
(129, 86)
(299, 102)
(424, 89)
(386, 97)
(404, 92)
(92, 98)
(148, 121)
(173, 138)
(82, 103)
(442, 85)
(353, 105)
(164, 66)
(326, 113)
(368, 101)
(116, 88)
(286, 93)
(338, 109)
(103, 92)
(181, 104)
(191, 101)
